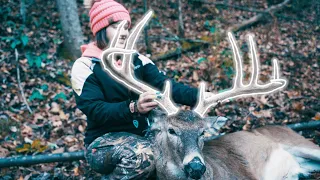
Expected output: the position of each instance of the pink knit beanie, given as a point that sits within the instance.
(106, 12)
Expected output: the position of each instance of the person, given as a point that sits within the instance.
(117, 117)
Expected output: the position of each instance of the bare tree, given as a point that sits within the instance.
(181, 28)
(71, 28)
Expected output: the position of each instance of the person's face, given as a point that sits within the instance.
(124, 33)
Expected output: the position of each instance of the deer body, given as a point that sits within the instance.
(267, 153)
(263, 153)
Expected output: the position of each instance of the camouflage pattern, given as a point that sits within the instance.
(121, 155)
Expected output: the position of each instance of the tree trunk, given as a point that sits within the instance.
(181, 28)
(73, 37)
(146, 28)
(23, 10)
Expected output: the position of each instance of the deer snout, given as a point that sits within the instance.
(195, 168)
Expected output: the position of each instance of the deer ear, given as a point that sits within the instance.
(212, 126)
(157, 116)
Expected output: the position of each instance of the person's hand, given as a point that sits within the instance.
(146, 102)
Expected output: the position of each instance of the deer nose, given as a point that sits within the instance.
(195, 168)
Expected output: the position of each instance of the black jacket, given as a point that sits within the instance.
(105, 102)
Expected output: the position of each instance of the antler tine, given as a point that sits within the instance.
(124, 74)
(239, 89)
(238, 62)
(276, 71)
(255, 62)
(137, 30)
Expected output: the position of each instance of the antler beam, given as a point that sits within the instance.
(240, 90)
(124, 74)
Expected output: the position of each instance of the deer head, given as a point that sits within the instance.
(178, 142)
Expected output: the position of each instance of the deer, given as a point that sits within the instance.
(188, 145)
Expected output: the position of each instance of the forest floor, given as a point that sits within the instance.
(56, 125)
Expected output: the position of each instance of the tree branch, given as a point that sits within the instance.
(180, 20)
(179, 39)
(224, 4)
(177, 52)
(305, 125)
(19, 82)
(259, 17)
(43, 158)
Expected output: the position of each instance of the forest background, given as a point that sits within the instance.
(185, 38)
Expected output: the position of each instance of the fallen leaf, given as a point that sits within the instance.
(13, 128)
(23, 148)
(27, 177)
(317, 116)
(81, 128)
(55, 107)
(203, 66)
(195, 76)
(76, 171)
(263, 113)
(9, 146)
(52, 145)
(73, 148)
(37, 116)
(62, 115)
(37, 145)
(59, 150)
(4, 152)
(297, 106)
(28, 140)
(292, 94)
(56, 121)
(212, 58)
(26, 130)
(70, 139)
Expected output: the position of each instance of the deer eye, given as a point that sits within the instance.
(171, 131)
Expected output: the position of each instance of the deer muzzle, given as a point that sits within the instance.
(195, 168)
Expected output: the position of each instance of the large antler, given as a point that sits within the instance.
(238, 88)
(124, 74)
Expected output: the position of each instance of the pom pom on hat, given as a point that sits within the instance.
(105, 12)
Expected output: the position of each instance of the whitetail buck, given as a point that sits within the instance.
(268, 153)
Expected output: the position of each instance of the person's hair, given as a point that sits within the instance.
(101, 38)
